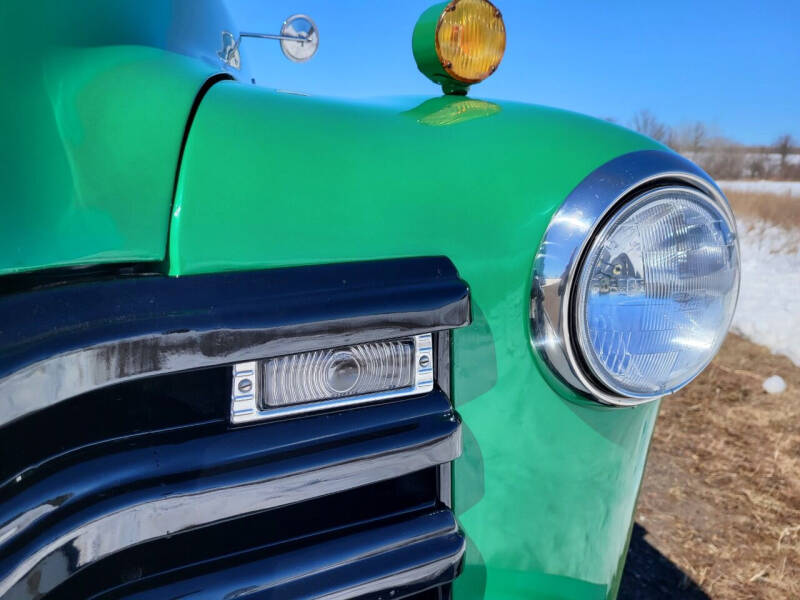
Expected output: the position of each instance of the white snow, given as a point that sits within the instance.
(768, 312)
(780, 188)
(774, 385)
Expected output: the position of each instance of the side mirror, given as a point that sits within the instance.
(299, 40)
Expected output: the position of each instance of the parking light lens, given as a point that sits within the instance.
(337, 373)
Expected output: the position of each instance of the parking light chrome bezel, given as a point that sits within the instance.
(248, 407)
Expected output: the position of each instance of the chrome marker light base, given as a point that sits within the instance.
(571, 231)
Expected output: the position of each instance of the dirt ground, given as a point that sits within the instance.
(719, 512)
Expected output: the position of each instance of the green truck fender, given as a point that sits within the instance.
(546, 487)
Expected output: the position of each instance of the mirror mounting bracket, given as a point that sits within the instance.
(299, 39)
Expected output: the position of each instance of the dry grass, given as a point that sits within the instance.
(721, 496)
(780, 210)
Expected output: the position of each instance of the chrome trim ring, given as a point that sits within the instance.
(571, 231)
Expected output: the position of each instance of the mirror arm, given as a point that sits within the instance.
(269, 36)
(308, 41)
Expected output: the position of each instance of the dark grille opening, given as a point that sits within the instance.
(270, 533)
(119, 411)
(438, 593)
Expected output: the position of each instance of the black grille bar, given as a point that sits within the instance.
(392, 561)
(60, 342)
(83, 514)
(255, 537)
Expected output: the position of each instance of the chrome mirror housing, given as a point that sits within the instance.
(299, 39)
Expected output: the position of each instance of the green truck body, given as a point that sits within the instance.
(125, 144)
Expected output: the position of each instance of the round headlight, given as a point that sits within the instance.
(656, 292)
(636, 280)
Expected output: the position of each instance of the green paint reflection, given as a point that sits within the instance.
(452, 110)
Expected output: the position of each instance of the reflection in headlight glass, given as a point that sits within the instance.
(657, 292)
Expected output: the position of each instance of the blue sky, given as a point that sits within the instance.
(732, 64)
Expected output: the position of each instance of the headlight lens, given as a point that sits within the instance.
(656, 293)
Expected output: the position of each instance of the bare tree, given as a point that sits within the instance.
(720, 156)
(646, 123)
(697, 136)
(724, 158)
(757, 167)
(783, 146)
(690, 138)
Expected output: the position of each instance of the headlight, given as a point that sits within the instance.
(656, 292)
(636, 282)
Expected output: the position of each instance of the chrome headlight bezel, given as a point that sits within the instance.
(570, 233)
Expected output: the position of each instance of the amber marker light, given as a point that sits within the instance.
(459, 43)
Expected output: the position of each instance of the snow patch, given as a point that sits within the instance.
(768, 312)
(779, 188)
(774, 385)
